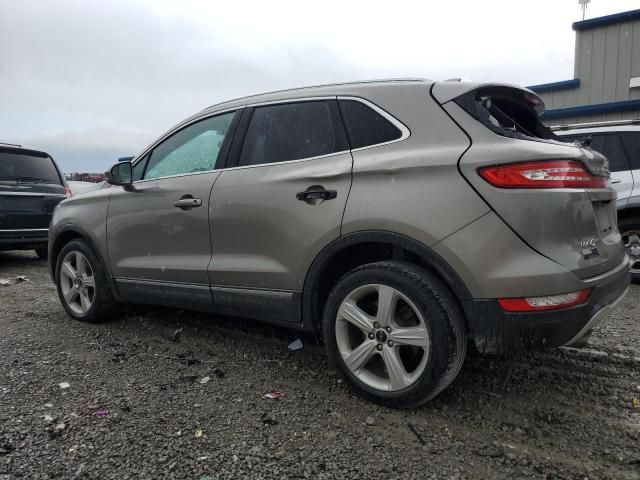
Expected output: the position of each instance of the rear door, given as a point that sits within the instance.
(279, 206)
(631, 143)
(621, 176)
(30, 188)
(158, 231)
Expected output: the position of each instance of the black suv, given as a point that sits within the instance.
(31, 185)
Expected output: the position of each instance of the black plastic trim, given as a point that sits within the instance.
(497, 331)
(310, 308)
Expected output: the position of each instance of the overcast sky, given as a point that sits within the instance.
(89, 81)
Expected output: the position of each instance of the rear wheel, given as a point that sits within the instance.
(42, 253)
(81, 281)
(395, 333)
(630, 231)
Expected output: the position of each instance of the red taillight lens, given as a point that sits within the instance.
(543, 174)
(536, 304)
(67, 192)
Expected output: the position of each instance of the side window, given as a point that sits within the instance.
(138, 168)
(609, 145)
(631, 143)
(193, 149)
(365, 126)
(291, 131)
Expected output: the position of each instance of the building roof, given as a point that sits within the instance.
(607, 20)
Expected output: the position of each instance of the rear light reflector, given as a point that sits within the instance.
(543, 174)
(67, 192)
(551, 302)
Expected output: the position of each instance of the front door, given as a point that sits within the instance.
(158, 231)
(283, 202)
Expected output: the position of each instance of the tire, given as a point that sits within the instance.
(630, 231)
(101, 304)
(426, 314)
(42, 253)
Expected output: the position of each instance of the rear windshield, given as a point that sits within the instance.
(25, 167)
(507, 111)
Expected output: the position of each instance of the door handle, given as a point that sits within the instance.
(316, 193)
(187, 202)
(616, 180)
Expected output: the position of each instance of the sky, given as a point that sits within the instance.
(90, 81)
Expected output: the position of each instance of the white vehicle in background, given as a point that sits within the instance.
(619, 141)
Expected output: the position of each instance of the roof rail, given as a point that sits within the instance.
(10, 144)
(608, 123)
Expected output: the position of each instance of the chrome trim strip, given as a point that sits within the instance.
(163, 283)
(31, 194)
(26, 230)
(405, 133)
(596, 318)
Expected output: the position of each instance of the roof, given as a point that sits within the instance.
(316, 90)
(21, 149)
(607, 20)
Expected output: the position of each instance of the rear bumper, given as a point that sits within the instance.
(496, 331)
(24, 239)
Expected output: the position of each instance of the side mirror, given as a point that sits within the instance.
(120, 174)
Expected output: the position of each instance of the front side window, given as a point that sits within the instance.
(292, 131)
(191, 150)
(365, 126)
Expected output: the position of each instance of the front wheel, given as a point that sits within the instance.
(395, 333)
(82, 285)
(630, 232)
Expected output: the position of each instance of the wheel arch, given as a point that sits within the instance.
(358, 248)
(68, 233)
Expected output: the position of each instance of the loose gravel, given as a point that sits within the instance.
(174, 394)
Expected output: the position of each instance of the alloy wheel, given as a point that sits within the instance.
(631, 240)
(382, 337)
(77, 282)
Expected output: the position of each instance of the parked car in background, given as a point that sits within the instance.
(619, 141)
(395, 219)
(31, 185)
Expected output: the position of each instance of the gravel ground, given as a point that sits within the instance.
(562, 414)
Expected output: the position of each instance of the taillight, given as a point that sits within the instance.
(551, 302)
(543, 174)
(67, 192)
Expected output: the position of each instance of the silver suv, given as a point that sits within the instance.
(400, 220)
(619, 141)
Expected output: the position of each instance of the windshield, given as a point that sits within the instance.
(18, 167)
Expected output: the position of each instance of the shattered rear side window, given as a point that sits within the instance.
(508, 111)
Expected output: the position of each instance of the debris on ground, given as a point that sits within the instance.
(635, 403)
(274, 395)
(488, 451)
(189, 358)
(6, 448)
(176, 335)
(93, 406)
(268, 420)
(103, 412)
(48, 418)
(295, 345)
(119, 357)
(198, 433)
(64, 385)
(416, 433)
(370, 421)
(217, 372)
(204, 380)
(5, 282)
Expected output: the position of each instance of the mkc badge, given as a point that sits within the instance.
(589, 248)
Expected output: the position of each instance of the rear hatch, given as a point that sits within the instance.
(30, 188)
(555, 196)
